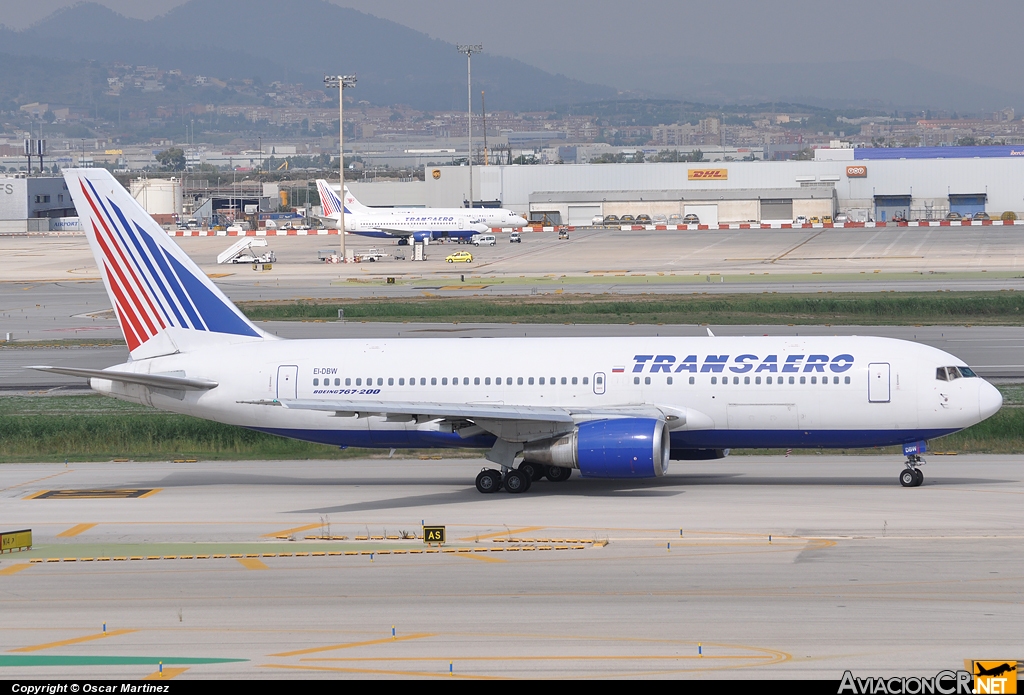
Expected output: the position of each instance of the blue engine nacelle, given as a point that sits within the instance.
(420, 236)
(619, 448)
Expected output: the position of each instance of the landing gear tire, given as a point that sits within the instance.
(909, 477)
(920, 477)
(488, 481)
(534, 471)
(557, 474)
(516, 482)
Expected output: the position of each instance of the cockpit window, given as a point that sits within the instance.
(951, 373)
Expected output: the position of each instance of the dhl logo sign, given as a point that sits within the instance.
(857, 172)
(707, 174)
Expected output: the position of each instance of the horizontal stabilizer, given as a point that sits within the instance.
(161, 381)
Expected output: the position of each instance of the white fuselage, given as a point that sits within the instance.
(738, 392)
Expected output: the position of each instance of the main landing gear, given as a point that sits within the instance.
(517, 480)
(912, 476)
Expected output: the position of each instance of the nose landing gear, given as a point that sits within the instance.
(912, 476)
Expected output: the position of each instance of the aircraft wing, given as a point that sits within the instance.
(511, 422)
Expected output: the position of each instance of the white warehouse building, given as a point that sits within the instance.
(863, 188)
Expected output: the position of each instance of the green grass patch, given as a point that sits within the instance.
(96, 428)
(855, 308)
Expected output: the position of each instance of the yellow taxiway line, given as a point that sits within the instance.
(76, 640)
(14, 569)
(290, 531)
(167, 674)
(251, 563)
(350, 645)
(75, 530)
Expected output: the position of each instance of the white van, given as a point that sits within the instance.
(484, 240)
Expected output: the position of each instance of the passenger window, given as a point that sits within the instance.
(391, 381)
(573, 381)
(401, 381)
(767, 380)
(541, 381)
(814, 380)
(846, 380)
(714, 380)
(444, 381)
(757, 380)
(636, 380)
(423, 381)
(669, 381)
(337, 382)
(563, 380)
(586, 380)
(736, 380)
(380, 381)
(746, 380)
(433, 381)
(316, 382)
(476, 381)
(791, 380)
(803, 379)
(487, 381)
(835, 380)
(359, 382)
(692, 380)
(465, 381)
(647, 380)
(530, 381)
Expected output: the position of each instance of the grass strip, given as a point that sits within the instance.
(854, 308)
(95, 428)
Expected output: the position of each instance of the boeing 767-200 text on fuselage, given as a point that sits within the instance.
(609, 407)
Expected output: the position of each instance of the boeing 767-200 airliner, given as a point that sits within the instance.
(608, 407)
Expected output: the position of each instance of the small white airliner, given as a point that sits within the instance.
(608, 407)
(460, 223)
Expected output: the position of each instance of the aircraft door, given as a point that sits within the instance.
(878, 382)
(287, 382)
(599, 384)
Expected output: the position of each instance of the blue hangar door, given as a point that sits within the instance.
(889, 206)
(967, 204)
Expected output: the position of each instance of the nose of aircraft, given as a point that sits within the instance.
(518, 221)
(989, 400)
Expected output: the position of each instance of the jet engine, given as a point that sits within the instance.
(618, 448)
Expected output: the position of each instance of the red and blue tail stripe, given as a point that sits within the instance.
(151, 282)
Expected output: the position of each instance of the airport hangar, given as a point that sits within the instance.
(865, 183)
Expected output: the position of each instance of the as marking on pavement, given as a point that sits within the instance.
(111, 494)
(75, 530)
(350, 645)
(14, 569)
(76, 640)
(290, 531)
(167, 674)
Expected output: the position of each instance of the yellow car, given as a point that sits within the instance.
(460, 257)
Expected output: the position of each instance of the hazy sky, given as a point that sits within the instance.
(616, 43)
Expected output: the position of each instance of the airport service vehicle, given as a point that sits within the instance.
(800, 219)
(691, 219)
(981, 216)
(842, 217)
(659, 219)
(489, 217)
(675, 219)
(611, 219)
(515, 238)
(242, 252)
(620, 407)
(484, 240)
(563, 233)
(384, 224)
(643, 219)
(460, 257)
(627, 219)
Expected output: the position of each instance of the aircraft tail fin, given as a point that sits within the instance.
(164, 302)
(351, 204)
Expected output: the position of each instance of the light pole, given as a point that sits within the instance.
(341, 82)
(468, 51)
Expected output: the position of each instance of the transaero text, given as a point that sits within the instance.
(742, 363)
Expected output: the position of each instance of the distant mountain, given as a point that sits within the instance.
(298, 41)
